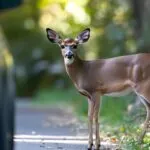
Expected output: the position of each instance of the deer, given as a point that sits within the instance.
(115, 76)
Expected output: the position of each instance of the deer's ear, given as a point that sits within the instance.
(83, 36)
(53, 36)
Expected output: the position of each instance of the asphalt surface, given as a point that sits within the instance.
(32, 122)
(51, 128)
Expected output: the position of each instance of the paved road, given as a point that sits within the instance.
(54, 128)
(55, 122)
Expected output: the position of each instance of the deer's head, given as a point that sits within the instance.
(69, 45)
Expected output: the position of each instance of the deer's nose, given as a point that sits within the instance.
(69, 54)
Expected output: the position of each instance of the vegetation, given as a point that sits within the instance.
(117, 28)
(117, 124)
(110, 22)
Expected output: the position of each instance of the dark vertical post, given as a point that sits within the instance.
(141, 15)
(7, 96)
(7, 87)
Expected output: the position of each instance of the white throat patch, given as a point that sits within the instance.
(68, 61)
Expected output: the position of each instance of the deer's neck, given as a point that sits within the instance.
(74, 70)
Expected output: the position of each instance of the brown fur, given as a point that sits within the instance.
(96, 78)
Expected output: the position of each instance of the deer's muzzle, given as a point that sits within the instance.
(69, 55)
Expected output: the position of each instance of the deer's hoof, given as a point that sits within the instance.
(90, 147)
(97, 147)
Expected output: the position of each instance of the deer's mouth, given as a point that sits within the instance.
(69, 60)
(69, 56)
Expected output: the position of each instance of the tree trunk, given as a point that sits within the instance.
(141, 14)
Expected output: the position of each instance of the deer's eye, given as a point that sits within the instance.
(74, 46)
(62, 46)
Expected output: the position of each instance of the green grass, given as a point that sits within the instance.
(112, 109)
(113, 114)
(55, 96)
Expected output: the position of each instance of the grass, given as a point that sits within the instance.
(111, 108)
(55, 96)
(113, 114)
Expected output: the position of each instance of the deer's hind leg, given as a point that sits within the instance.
(143, 91)
(147, 120)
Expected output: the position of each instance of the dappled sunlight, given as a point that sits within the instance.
(6, 57)
(71, 10)
(131, 45)
(78, 13)
(49, 15)
(53, 107)
(29, 24)
(120, 16)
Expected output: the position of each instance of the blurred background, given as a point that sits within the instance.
(118, 28)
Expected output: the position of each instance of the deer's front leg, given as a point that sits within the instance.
(90, 123)
(96, 119)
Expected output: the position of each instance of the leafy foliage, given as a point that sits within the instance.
(116, 125)
(24, 27)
